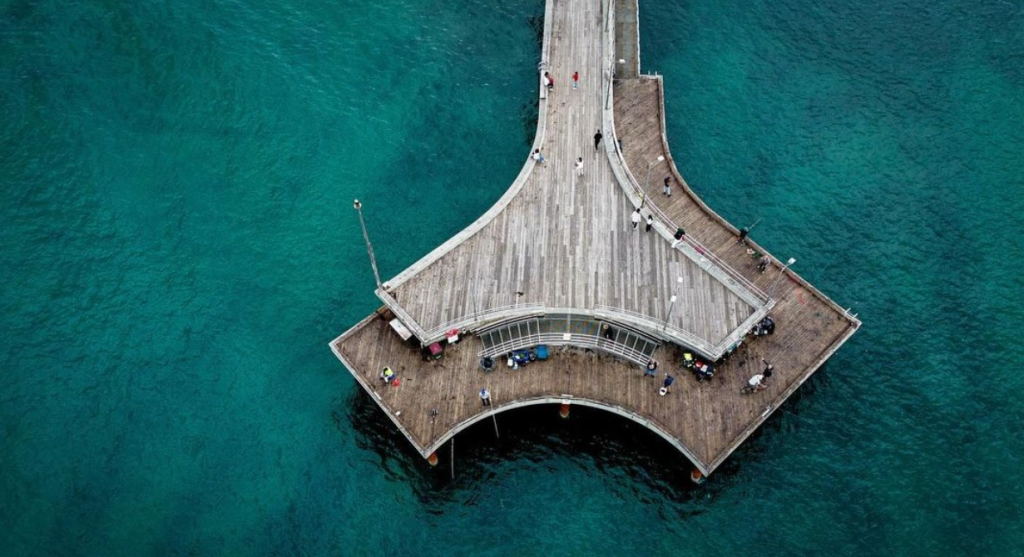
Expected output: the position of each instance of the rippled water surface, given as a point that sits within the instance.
(177, 246)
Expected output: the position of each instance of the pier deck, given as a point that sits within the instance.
(565, 241)
(558, 242)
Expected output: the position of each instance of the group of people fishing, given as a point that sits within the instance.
(702, 371)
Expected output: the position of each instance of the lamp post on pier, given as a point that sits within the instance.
(791, 261)
(671, 304)
(647, 182)
(369, 247)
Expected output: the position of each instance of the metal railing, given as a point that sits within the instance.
(568, 330)
(673, 333)
(491, 318)
(485, 316)
(577, 340)
(650, 325)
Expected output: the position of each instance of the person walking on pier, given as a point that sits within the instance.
(575, 80)
(763, 264)
(549, 81)
(597, 139)
(485, 397)
(635, 218)
(650, 223)
(668, 186)
(579, 167)
(667, 385)
(537, 156)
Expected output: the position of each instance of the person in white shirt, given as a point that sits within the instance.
(759, 381)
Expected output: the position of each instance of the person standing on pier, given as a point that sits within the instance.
(485, 397)
(549, 81)
(650, 223)
(575, 80)
(635, 218)
(763, 264)
(652, 368)
(597, 139)
(668, 186)
(579, 167)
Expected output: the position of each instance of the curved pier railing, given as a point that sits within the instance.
(568, 330)
(644, 323)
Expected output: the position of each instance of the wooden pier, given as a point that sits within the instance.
(558, 262)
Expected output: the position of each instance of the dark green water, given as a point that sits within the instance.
(177, 246)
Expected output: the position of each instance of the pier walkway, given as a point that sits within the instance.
(559, 241)
(557, 262)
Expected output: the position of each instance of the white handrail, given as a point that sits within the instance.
(644, 324)
(580, 340)
(475, 318)
(667, 332)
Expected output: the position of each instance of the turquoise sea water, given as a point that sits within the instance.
(177, 246)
